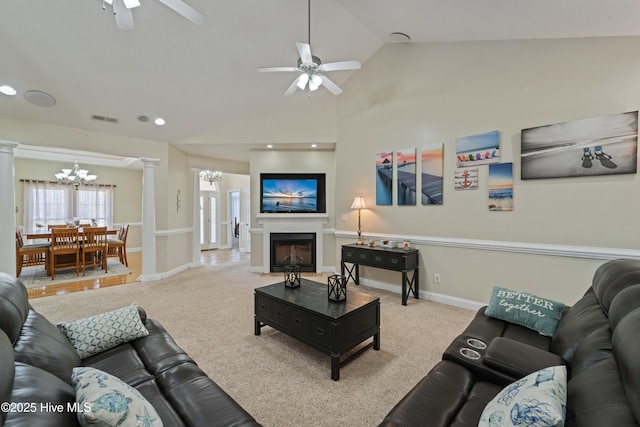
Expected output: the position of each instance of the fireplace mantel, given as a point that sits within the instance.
(292, 223)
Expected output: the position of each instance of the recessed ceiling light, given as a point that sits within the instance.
(8, 90)
(159, 121)
(143, 119)
(269, 146)
(314, 145)
(400, 37)
(40, 98)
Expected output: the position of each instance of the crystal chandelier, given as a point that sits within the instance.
(75, 176)
(211, 176)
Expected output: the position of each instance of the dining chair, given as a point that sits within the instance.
(118, 246)
(65, 250)
(30, 254)
(93, 250)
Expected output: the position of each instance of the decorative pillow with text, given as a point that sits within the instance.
(525, 309)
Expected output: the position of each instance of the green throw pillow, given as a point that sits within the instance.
(95, 334)
(540, 314)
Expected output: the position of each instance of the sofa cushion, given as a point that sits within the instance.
(94, 334)
(538, 399)
(540, 314)
(107, 401)
(14, 305)
(43, 345)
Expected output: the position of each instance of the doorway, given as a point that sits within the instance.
(234, 214)
(209, 220)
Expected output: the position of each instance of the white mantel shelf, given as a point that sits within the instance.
(293, 223)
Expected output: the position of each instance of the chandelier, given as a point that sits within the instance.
(75, 176)
(211, 176)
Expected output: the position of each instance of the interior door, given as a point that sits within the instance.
(209, 222)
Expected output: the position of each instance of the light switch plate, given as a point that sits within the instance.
(343, 217)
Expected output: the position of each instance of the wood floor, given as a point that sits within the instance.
(213, 257)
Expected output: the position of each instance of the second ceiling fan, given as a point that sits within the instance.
(124, 16)
(311, 70)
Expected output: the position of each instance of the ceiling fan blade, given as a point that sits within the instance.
(292, 88)
(185, 10)
(124, 16)
(344, 65)
(333, 88)
(272, 69)
(305, 53)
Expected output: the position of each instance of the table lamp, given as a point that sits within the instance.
(358, 203)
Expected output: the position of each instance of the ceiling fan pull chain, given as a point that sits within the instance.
(309, 23)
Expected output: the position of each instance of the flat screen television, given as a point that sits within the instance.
(293, 193)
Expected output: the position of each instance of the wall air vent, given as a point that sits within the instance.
(104, 118)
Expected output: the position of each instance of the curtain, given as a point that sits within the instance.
(48, 203)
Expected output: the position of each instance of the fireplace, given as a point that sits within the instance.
(293, 249)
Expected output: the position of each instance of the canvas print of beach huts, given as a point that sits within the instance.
(480, 149)
(384, 178)
(432, 158)
(466, 179)
(501, 187)
(406, 163)
(604, 145)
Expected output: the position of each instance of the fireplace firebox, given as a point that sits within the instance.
(293, 249)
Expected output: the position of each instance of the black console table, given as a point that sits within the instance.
(396, 259)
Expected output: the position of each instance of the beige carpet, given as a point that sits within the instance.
(209, 312)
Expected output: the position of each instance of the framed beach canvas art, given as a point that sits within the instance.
(406, 164)
(480, 149)
(432, 162)
(384, 178)
(605, 145)
(501, 187)
(466, 179)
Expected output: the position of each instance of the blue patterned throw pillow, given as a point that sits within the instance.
(537, 400)
(525, 309)
(104, 400)
(95, 334)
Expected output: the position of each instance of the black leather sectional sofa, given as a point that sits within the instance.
(598, 339)
(37, 361)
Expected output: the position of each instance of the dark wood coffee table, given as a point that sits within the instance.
(306, 314)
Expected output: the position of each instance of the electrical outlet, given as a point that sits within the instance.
(343, 217)
(436, 277)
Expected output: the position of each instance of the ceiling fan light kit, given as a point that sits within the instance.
(312, 69)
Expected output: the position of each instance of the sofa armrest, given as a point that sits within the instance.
(518, 359)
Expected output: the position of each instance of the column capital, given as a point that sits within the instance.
(149, 162)
(7, 147)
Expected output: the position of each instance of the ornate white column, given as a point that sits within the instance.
(7, 209)
(148, 221)
(197, 259)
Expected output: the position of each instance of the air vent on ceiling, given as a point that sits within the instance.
(104, 118)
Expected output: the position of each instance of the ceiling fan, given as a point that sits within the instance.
(124, 16)
(311, 70)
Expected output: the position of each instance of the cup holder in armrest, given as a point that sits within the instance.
(469, 353)
(476, 343)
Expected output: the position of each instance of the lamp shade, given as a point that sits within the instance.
(358, 203)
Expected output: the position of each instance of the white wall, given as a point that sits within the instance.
(408, 95)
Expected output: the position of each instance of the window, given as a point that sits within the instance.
(51, 203)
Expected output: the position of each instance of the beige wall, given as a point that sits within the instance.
(408, 95)
(127, 195)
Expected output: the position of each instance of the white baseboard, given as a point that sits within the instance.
(430, 296)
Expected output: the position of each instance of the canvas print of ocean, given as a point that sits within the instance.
(289, 195)
(406, 163)
(480, 149)
(501, 187)
(384, 178)
(605, 145)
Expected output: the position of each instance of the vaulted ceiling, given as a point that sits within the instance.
(202, 79)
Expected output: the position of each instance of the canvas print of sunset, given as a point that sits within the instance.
(432, 157)
(501, 187)
(406, 162)
(384, 178)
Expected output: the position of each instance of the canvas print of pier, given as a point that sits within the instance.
(432, 157)
(480, 149)
(466, 179)
(384, 178)
(605, 145)
(501, 187)
(406, 162)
